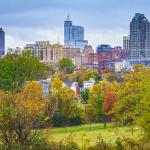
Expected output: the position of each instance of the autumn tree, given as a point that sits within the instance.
(109, 102)
(87, 114)
(96, 98)
(56, 84)
(67, 103)
(64, 99)
(110, 97)
(133, 98)
(18, 115)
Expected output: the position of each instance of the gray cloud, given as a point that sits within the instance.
(29, 20)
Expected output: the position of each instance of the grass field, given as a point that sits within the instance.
(84, 132)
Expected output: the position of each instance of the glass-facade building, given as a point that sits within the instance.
(2, 42)
(104, 48)
(139, 37)
(74, 35)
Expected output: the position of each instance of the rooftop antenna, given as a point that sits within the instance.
(68, 17)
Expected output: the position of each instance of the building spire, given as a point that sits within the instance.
(68, 17)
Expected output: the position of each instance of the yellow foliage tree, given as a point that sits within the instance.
(56, 84)
(31, 99)
(19, 114)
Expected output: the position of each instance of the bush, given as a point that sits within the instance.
(58, 119)
(75, 121)
(71, 146)
(40, 143)
(102, 145)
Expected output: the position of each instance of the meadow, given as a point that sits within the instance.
(92, 132)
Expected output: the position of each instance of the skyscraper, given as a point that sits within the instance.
(74, 35)
(139, 37)
(126, 43)
(2, 42)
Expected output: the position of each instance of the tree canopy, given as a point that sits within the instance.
(133, 103)
(15, 70)
(66, 65)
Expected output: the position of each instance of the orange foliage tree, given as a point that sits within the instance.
(109, 101)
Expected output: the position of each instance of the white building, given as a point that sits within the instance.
(88, 84)
(45, 85)
(73, 86)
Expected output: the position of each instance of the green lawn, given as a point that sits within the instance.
(84, 133)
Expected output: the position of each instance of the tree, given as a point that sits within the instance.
(96, 98)
(109, 100)
(68, 104)
(15, 70)
(85, 95)
(133, 98)
(87, 114)
(18, 115)
(113, 76)
(65, 101)
(66, 65)
(56, 84)
(90, 74)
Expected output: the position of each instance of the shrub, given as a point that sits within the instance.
(58, 119)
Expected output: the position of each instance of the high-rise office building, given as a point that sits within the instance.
(139, 37)
(2, 42)
(74, 35)
(104, 48)
(126, 43)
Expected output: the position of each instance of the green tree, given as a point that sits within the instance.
(66, 65)
(90, 74)
(85, 95)
(15, 70)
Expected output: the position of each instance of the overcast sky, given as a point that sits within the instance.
(105, 21)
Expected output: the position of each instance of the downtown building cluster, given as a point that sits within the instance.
(76, 48)
(136, 47)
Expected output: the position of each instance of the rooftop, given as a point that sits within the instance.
(139, 16)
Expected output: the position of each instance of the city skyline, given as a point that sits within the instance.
(29, 21)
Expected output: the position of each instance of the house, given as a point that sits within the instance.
(88, 84)
(73, 86)
(45, 85)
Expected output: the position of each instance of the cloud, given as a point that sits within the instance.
(22, 36)
(112, 37)
(105, 21)
(12, 42)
